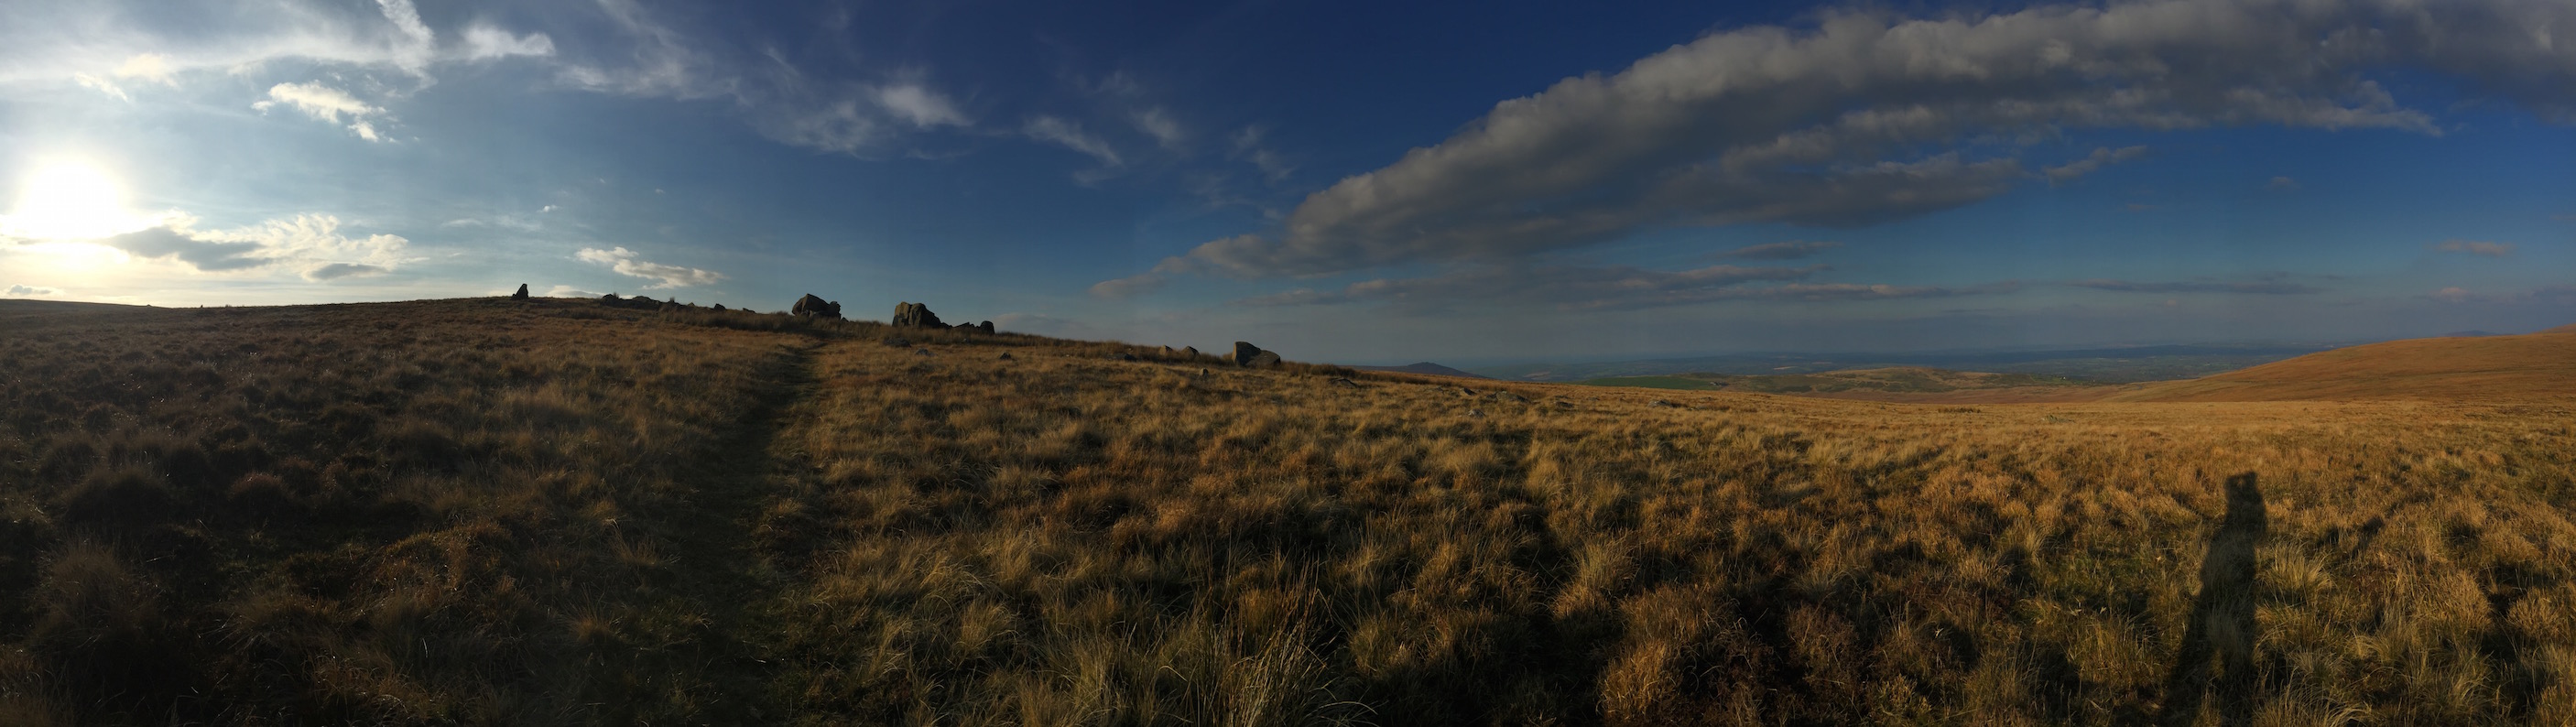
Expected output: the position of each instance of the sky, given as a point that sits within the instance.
(1358, 182)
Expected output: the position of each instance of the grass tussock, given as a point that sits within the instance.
(559, 511)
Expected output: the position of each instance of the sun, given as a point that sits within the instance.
(69, 200)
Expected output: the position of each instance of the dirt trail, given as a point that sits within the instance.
(714, 564)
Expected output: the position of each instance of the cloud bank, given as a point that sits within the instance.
(1868, 117)
(310, 245)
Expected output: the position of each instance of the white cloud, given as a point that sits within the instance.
(1248, 147)
(566, 291)
(624, 261)
(414, 50)
(312, 245)
(102, 86)
(326, 104)
(2101, 157)
(29, 291)
(919, 105)
(1070, 135)
(486, 42)
(151, 67)
(1867, 117)
(1158, 123)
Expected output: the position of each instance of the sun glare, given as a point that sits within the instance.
(69, 201)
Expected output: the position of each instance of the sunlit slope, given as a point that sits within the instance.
(2459, 369)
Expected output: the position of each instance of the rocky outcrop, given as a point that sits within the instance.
(985, 328)
(816, 306)
(1252, 357)
(917, 315)
(522, 294)
(1190, 351)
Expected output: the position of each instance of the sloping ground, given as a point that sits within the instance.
(2492, 368)
(487, 512)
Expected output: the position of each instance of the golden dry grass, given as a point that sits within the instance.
(486, 512)
(2486, 368)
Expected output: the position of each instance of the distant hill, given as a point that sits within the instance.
(1424, 367)
(2488, 368)
(2114, 365)
(1904, 383)
(2470, 334)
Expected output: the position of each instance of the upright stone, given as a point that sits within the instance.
(522, 294)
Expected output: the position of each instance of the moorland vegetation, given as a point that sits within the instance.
(495, 511)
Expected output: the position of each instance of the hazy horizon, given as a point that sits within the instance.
(1359, 183)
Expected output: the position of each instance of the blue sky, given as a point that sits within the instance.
(1358, 182)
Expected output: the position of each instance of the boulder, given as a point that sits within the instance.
(609, 298)
(1125, 356)
(921, 352)
(1190, 351)
(985, 328)
(1342, 382)
(896, 341)
(1252, 357)
(1663, 404)
(916, 314)
(816, 306)
(720, 307)
(522, 294)
(1006, 356)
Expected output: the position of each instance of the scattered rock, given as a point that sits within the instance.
(523, 292)
(1342, 382)
(1563, 404)
(1464, 391)
(1165, 352)
(921, 352)
(1190, 351)
(1515, 398)
(816, 306)
(1664, 404)
(917, 315)
(1125, 356)
(896, 341)
(1006, 356)
(1252, 357)
(1475, 412)
(1204, 372)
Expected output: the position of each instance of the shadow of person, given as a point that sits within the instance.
(2222, 619)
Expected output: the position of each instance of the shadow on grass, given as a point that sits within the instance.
(2222, 620)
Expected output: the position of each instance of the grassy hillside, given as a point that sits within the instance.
(488, 511)
(2491, 368)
